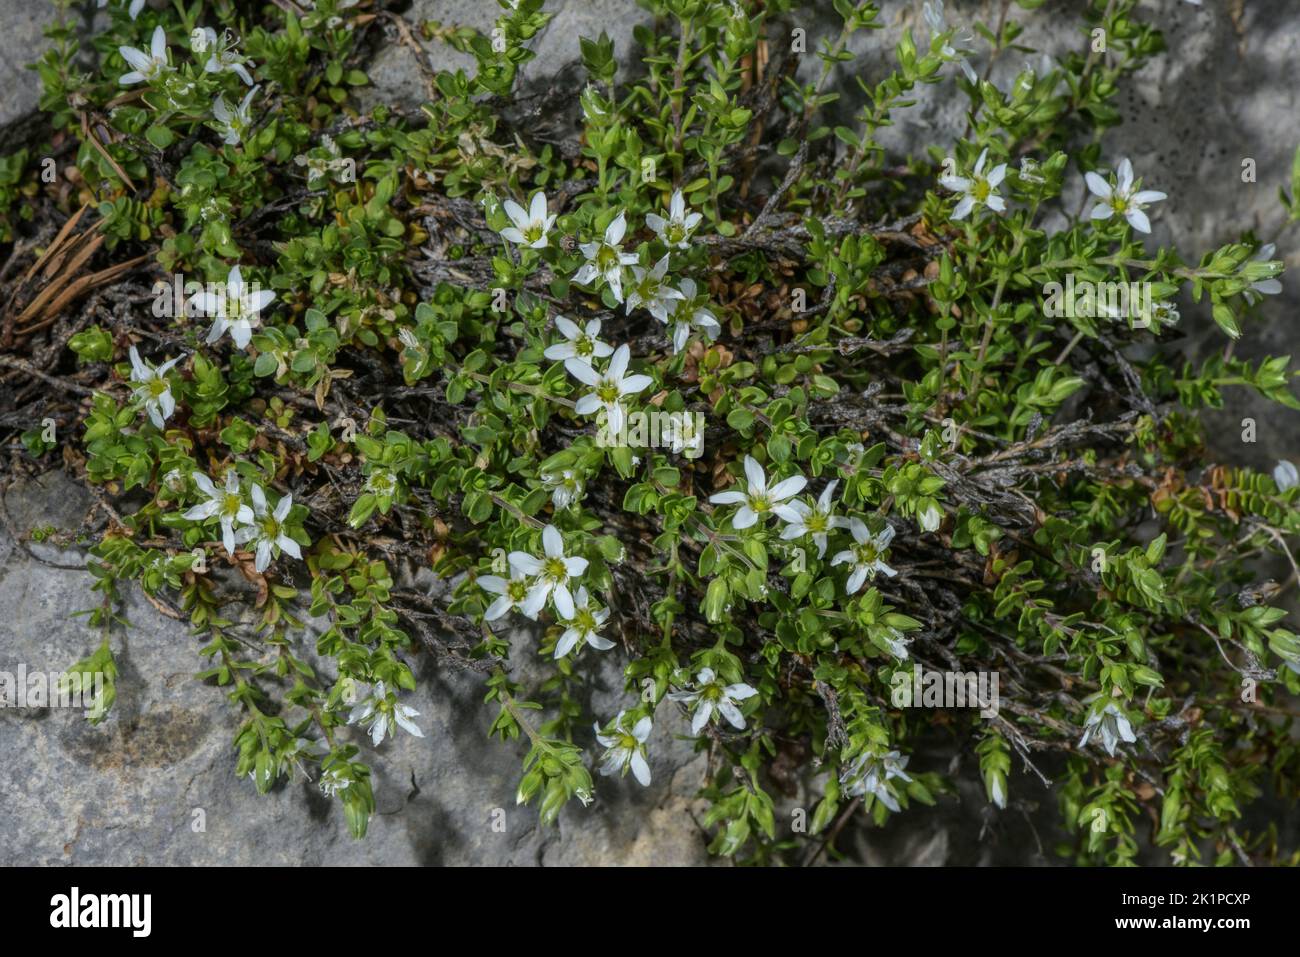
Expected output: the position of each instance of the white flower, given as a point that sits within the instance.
(675, 231)
(146, 67)
(235, 311)
(710, 695)
(133, 11)
(222, 56)
(174, 481)
(348, 692)
(552, 570)
(689, 314)
(934, 18)
(682, 433)
(232, 123)
(996, 793)
(382, 482)
(511, 594)
(608, 388)
(333, 781)
(1113, 726)
(565, 486)
(896, 643)
(815, 520)
(606, 259)
(152, 386)
(626, 749)
(1124, 198)
(650, 290)
(267, 529)
(867, 556)
(228, 503)
(380, 712)
(870, 773)
(530, 228)
(583, 343)
(584, 625)
(1029, 171)
(978, 189)
(930, 517)
(1263, 287)
(1164, 313)
(757, 499)
(1285, 475)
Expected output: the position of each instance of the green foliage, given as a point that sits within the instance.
(861, 435)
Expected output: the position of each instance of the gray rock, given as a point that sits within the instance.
(131, 790)
(396, 76)
(22, 41)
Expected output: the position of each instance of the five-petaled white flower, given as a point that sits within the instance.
(1112, 725)
(379, 712)
(691, 312)
(582, 342)
(146, 67)
(1162, 313)
(234, 122)
(565, 486)
(584, 625)
(267, 529)
(867, 555)
(609, 388)
(606, 259)
(626, 749)
(1285, 475)
(133, 11)
(870, 773)
(675, 231)
(650, 289)
(758, 500)
(152, 386)
(816, 520)
(510, 593)
(236, 310)
(1263, 287)
(222, 56)
(979, 188)
(1124, 198)
(709, 695)
(529, 228)
(937, 23)
(552, 572)
(382, 482)
(227, 503)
